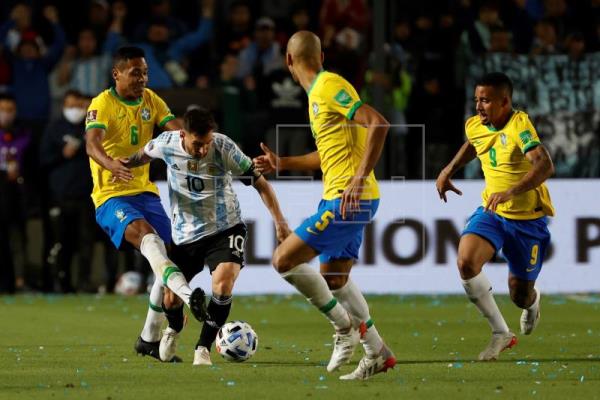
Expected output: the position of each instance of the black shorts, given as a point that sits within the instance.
(225, 246)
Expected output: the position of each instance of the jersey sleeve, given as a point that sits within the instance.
(156, 147)
(162, 111)
(527, 135)
(98, 114)
(234, 159)
(342, 97)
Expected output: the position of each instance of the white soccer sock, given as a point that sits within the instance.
(479, 291)
(314, 287)
(153, 248)
(353, 300)
(155, 316)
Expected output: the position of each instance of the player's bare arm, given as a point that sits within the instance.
(137, 159)
(542, 169)
(267, 194)
(271, 162)
(377, 129)
(140, 157)
(94, 149)
(444, 183)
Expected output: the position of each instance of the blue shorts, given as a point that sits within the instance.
(523, 242)
(331, 236)
(116, 213)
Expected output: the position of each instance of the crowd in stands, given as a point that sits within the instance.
(230, 56)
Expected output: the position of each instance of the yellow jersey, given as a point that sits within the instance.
(128, 125)
(332, 102)
(502, 155)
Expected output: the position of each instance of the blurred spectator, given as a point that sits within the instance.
(339, 16)
(83, 69)
(476, 39)
(236, 35)
(429, 105)
(558, 13)
(263, 55)
(298, 21)
(575, 46)
(161, 10)
(257, 61)
(287, 104)
(164, 57)
(231, 99)
(546, 39)
(14, 141)
(22, 28)
(30, 68)
(344, 25)
(521, 23)
(63, 154)
(99, 18)
(500, 40)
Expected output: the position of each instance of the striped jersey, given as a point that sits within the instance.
(202, 198)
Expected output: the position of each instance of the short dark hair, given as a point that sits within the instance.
(8, 97)
(496, 80)
(199, 121)
(74, 93)
(126, 53)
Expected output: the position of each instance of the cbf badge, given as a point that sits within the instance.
(315, 108)
(503, 139)
(145, 114)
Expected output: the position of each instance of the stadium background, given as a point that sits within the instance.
(416, 63)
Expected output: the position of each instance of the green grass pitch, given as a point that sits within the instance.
(81, 347)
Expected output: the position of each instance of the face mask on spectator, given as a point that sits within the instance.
(6, 118)
(74, 114)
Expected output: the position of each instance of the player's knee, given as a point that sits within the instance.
(223, 287)
(281, 262)
(335, 282)
(520, 296)
(467, 267)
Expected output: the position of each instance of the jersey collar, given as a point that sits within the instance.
(124, 100)
(312, 85)
(494, 129)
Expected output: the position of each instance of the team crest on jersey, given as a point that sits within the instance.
(145, 114)
(92, 115)
(315, 108)
(193, 165)
(120, 214)
(503, 139)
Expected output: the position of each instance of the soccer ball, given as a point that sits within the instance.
(129, 283)
(236, 341)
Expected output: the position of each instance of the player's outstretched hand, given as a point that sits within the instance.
(119, 170)
(351, 196)
(282, 230)
(497, 198)
(267, 163)
(443, 184)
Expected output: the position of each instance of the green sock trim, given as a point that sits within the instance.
(154, 307)
(171, 269)
(329, 306)
(369, 323)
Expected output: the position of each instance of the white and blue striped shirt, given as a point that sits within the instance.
(203, 201)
